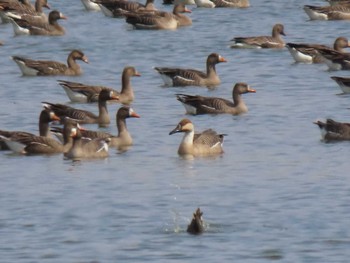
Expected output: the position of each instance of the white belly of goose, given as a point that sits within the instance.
(90, 6)
(299, 56)
(106, 11)
(314, 15)
(27, 71)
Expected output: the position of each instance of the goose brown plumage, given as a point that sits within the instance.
(79, 92)
(32, 67)
(212, 105)
(274, 41)
(33, 18)
(232, 3)
(14, 6)
(335, 60)
(336, 12)
(192, 77)
(196, 226)
(120, 7)
(334, 131)
(83, 116)
(343, 82)
(201, 144)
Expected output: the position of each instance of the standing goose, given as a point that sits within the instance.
(192, 77)
(50, 28)
(31, 67)
(196, 226)
(201, 144)
(334, 131)
(307, 53)
(83, 116)
(274, 41)
(96, 148)
(211, 105)
(344, 83)
(337, 12)
(79, 92)
(232, 3)
(33, 18)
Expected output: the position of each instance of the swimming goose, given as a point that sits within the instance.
(31, 67)
(192, 77)
(232, 3)
(120, 7)
(14, 6)
(344, 83)
(201, 144)
(196, 226)
(307, 53)
(334, 131)
(50, 28)
(211, 105)
(96, 148)
(33, 18)
(83, 116)
(335, 60)
(336, 12)
(78, 92)
(274, 41)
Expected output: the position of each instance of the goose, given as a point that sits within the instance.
(83, 116)
(335, 60)
(336, 12)
(204, 3)
(33, 18)
(30, 67)
(201, 144)
(334, 131)
(344, 83)
(79, 92)
(232, 3)
(192, 77)
(90, 5)
(196, 226)
(211, 105)
(14, 6)
(50, 28)
(274, 41)
(96, 148)
(307, 53)
(338, 2)
(120, 7)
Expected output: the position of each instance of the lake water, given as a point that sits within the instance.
(278, 193)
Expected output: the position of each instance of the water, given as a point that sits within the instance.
(277, 193)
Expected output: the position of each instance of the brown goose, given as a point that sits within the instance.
(50, 28)
(274, 41)
(192, 77)
(120, 7)
(201, 144)
(196, 226)
(14, 6)
(78, 92)
(83, 116)
(31, 144)
(31, 67)
(46, 116)
(344, 83)
(334, 131)
(96, 148)
(232, 3)
(338, 2)
(307, 53)
(337, 12)
(335, 60)
(211, 105)
(37, 17)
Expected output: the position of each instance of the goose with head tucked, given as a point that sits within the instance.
(332, 130)
(192, 77)
(30, 67)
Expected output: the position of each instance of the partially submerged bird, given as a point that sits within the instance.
(30, 67)
(200, 144)
(334, 131)
(213, 105)
(196, 226)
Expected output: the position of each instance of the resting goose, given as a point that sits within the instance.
(337, 12)
(232, 3)
(196, 226)
(33, 18)
(50, 28)
(274, 41)
(83, 116)
(334, 131)
(78, 92)
(14, 6)
(120, 7)
(192, 77)
(30, 67)
(211, 105)
(307, 53)
(201, 144)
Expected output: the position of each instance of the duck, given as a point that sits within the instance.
(332, 130)
(33, 18)
(336, 12)
(335, 60)
(30, 67)
(96, 148)
(274, 41)
(211, 105)
(200, 144)
(79, 92)
(307, 53)
(120, 7)
(343, 82)
(196, 226)
(90, 5)
(192, 77)
(83, 116)
(232, 3)
(50, 28)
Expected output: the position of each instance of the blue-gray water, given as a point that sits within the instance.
(277, 193)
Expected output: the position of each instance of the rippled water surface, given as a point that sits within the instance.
(278, 193)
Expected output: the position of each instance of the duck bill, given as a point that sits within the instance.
(187, 10)
(54, 117)
(222, 59)
(251, 90)
(85, 59)
(176, 130)
(137, 74)
(134, 115)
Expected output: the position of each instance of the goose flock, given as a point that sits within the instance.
(77, 142)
